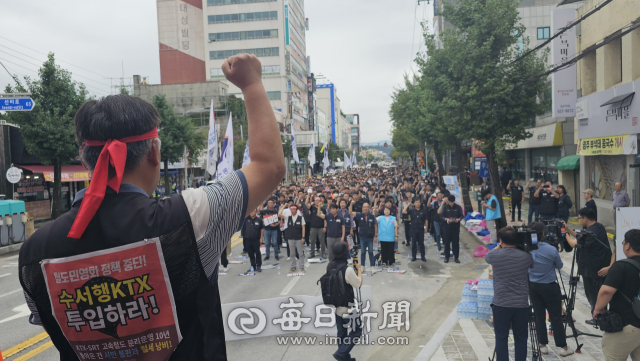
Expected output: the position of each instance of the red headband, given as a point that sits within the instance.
(114, 153)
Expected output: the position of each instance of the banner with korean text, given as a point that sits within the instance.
(115, 303)
(613, 145)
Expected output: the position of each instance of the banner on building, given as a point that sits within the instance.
(68, 176)
(563, 82)
(613, 145)
(286, 22)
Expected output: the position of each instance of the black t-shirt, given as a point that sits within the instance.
(533, 200)
(592, 204)
(599, 252)
(548, 202)
(625, 278)
(418, 217)
(516, 193)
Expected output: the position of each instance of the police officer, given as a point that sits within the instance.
(419, 226)
(192, 228)
(252, 232)
(450, 216)
(548, 201)
(335, 228)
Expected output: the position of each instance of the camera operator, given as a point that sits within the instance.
(545, 292)
(594, 261)
(511, 299)
(619, 289)
(548, 201)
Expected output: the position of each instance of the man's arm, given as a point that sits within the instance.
(261, 235)
(266, 169)
(537, 193)
(604, 297)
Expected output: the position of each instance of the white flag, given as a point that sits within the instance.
(354, 159)
(325, 160)
(212, 148)
(312, 155)
(293, 146)
(347, 161)
(225, 166)
(247, 159)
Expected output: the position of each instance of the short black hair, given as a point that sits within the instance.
(451, 198)
(115, 117)
(633, 238)
(485, 192)
(333, 205)
(539, 228)
(508, 235)
(564, 190)
(587, 213)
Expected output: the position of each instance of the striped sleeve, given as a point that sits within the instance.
(216, 213)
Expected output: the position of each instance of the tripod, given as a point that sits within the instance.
(570, 301)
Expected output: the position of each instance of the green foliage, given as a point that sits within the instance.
(48, 130)
(238, 152)
(397, 154)
(239, 112)
(370, 158)
(303, 153)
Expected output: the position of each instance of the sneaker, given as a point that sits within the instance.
(520, 220)
(565, 353)
(259, 269)
(277, 258)
(414, 259)
(303, 271)
(446, 260)
(249, 271)
(288, 258)
(456, 260)
(403, 243)
(266, 258)
(244, 253)
(373, 271)
(545, 350)
(292, 270)
(224, 269)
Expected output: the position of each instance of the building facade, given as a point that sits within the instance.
(196, 36)
(607, 114)
(354, 120)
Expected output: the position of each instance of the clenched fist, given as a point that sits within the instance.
(243, 70)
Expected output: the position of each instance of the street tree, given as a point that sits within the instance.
(48, 130)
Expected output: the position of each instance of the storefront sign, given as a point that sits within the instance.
(582, 110)
(613, 145)
(563, 82)
(69, 177)
(14, 174)
(614, 111)
(451, 182)
(545, 136)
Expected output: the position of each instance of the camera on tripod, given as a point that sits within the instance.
(555, 234)
(527, 238)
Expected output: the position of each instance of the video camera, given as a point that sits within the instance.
(527, 238)
(555, 234)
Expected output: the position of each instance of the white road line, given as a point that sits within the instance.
(5, 275)
(478, 344)
(22, 310)
(10, 293)
(293, 282)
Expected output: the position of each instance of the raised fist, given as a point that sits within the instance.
(243, 70)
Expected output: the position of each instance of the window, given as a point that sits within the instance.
(244, 17)
(520, 45)
(543, 33)
(261, 52)
(234, 2)
(243, 35)
(274, 95)
(217, 73)
(271, 70)
(543, 163)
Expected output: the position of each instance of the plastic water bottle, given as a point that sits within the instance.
(278, 268)
(409, 256)
(376, 263)
(251, 270)
(244, 260)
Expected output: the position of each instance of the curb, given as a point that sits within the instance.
(10, 248)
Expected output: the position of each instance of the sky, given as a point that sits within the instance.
(363, 47)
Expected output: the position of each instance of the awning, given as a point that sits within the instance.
(619, 99)
(70, 173)
(544, 136)
(570, 162)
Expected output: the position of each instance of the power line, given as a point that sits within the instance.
(11, 75)
(76, 74)
(591, 12)
(62, 61)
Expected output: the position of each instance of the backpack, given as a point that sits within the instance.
(333, 286)
(635, 303)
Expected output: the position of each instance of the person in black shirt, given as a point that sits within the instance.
(516, 199)
(505, 179)
(252, 233)
(588, 196)
(548, 201)
(450, 216)
(534, 202)
(564, 203)
(436, 225)
(595, 258)
(419, 226)
(619, 289)
(356, 206)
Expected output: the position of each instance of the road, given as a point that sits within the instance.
(433, 290)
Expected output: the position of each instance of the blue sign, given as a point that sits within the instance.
(16, 104)
(484, 169)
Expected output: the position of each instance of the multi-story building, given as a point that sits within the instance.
(607, 114)
(329, 103)
(354, 120)
(196, 36)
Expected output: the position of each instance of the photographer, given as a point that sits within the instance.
(619, 290)
(548, 201)
(343, 312)
(594, 261)
(545, 292)
(511, 299)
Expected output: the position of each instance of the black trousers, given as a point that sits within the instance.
(547, 297)
(356, 237)
(591, 288)
(514, 205)
(388, 253)
(417, 239)
(223, 258)
(407, 232)
(307, 232)
(517, 319)
(253, 249)
(451, 239)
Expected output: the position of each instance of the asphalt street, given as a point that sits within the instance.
(432, 288)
